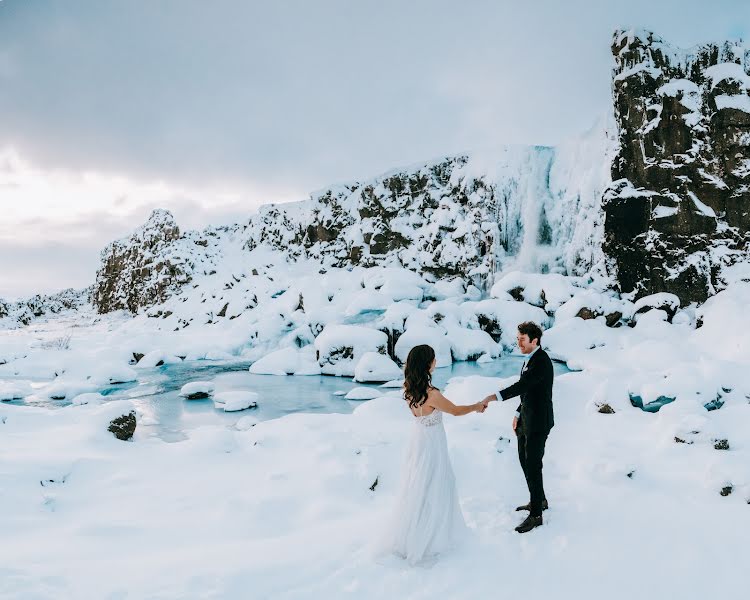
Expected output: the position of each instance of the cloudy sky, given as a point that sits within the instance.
(109, 108)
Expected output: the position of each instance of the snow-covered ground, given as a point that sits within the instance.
(284, 508)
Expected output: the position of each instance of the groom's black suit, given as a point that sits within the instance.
(535, 422)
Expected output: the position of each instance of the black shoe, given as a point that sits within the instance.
(545, 506)
(529, 524)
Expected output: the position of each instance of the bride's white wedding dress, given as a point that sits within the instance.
(426, 518)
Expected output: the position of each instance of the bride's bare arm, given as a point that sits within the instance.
(440, 402)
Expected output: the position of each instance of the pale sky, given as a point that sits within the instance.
(109, 109)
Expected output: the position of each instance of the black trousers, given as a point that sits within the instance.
(530, 454)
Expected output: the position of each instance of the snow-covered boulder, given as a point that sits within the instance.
(423, 334)
(340, 347)
(669, 303)
(67, 387)
(109, 372)
(196, 390)
(157, 358)
(287, 361)
(548, 291)
(394, 383)
(590, 304)
(470, 344)
(375, 367)
(235, 400)
(88, 398)
(363, 393)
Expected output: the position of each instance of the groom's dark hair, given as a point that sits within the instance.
(532, 330)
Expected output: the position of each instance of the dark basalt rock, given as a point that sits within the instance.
(587, 314)
(722, 444)
(681, 176)
(123, 427)
(612, 319)
(606, 409)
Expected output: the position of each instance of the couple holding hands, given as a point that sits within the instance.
(427, 518)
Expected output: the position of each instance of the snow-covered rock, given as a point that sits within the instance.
(156, 358)
(375, 367)
(196, 390)
(235, 400)
(363, 393)
(418, 334)
(288, 361)
(340, 347)
(88, 398)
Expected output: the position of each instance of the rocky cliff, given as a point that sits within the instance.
(537, 208)
(678, 209)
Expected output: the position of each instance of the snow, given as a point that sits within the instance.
(601, 304)
(660, 299)
(88, 398)
(14, 390)
(273, 490)
(235, 400)
(197, 389)
(737, 102)
(246, 422)
(548, 291)
(157, 357)
(375, 367)
(287, 361)
(363, 393)
(394, 383)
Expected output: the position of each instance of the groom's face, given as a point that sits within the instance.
(524, 344)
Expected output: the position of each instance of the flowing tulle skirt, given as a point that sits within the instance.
(426, 519)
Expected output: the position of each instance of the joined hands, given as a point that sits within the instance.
(482, 406)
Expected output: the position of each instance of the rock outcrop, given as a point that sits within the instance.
(678, 210)
(146, 267)
(123, 427)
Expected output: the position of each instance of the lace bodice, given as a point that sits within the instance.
(434, 418)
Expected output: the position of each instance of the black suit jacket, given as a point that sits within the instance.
(535, 389)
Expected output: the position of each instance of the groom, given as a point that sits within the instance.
(533, 419)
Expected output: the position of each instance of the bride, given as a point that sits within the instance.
(426, 518)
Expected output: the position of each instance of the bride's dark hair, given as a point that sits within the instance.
(417, 376)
